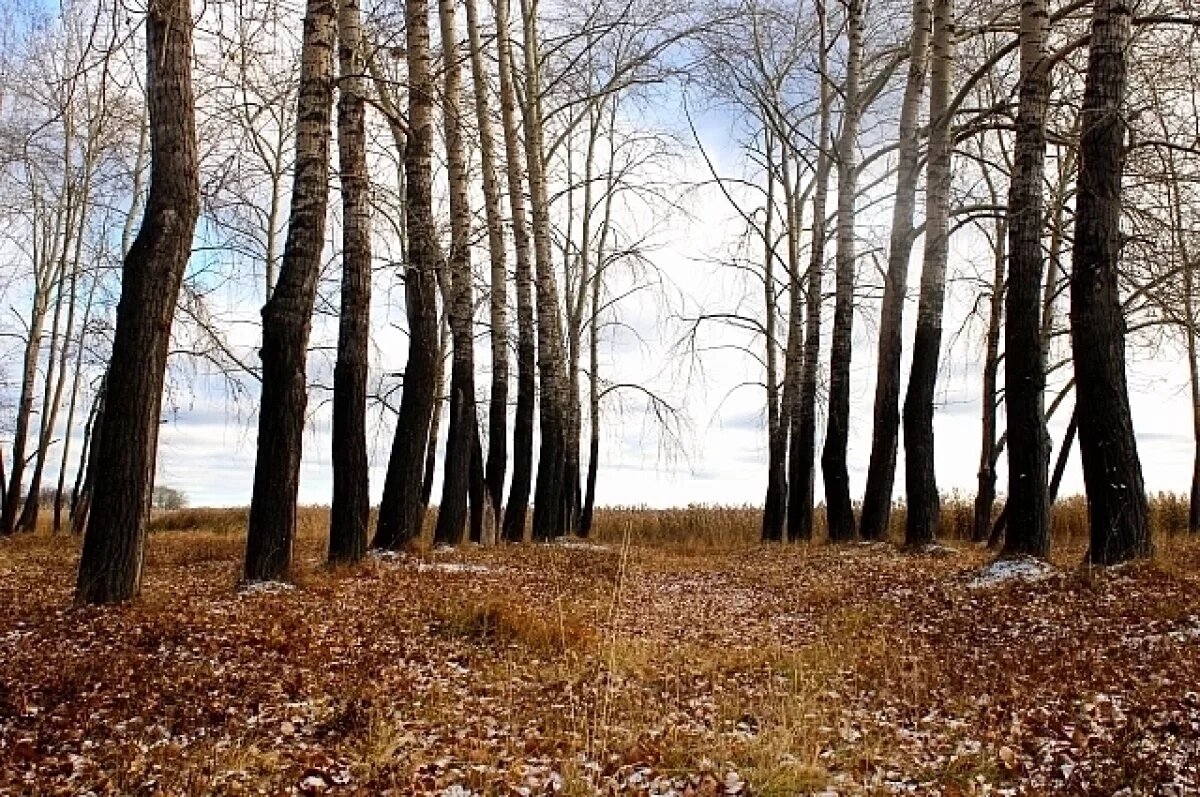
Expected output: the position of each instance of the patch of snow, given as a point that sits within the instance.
(1003, 571)
(577, 544)
(266, 588)
(452, 567)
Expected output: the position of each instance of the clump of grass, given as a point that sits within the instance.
(507, 620)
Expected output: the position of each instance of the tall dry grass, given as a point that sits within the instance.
(704, 526)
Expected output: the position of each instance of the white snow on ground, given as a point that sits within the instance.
(577, 544)
(1003, 571)
(396, 558)
(1186, 632)
(452, 567)
(265, 588)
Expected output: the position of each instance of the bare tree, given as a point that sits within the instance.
(877, 498)
(924, 503)
(402, 508)
(350, 510)
(110, 565)
(287, 315)
(1117, 511)
(1024, 375)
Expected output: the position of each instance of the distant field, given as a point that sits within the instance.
(701, 664)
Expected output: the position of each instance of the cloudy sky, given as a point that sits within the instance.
(719, 456)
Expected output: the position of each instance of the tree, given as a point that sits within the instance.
(1117, 510)
(402, 508)
(350, 510)
(1024, 375)
(110, 565)
(840, 513)
(517, 508)
(497, 453)
(877, 498)
(287, 315)
(452, 511)
(802, 454)
(924, 504)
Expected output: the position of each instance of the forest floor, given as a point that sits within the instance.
(575, 669)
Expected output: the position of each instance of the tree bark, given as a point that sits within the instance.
(287, 315)
(924, 504)
(839, 511)
(1112, 472)
(517, 508)
(774, 507)
(462, 432)
(110, 565)
(803, 437)
(1024, 376)
(402, 510)
(985, 495)
(497, 453)
(551, 517)
(877, 498)
(350, 510)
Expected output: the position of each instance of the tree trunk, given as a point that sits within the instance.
(497, 453)
(429, 470)
(793, 356)
(1112, 472)
(351, 506)
(550, 505)
(877, 498)
(110, 565)
(839, 510)
(1024, 376)
(287, 316)
(774, 507)
(402, 510)
(985, 495)
(16, 477)
(522, 475)
(924, 504)
(462, 432)
(803, 438)
(1194, 382)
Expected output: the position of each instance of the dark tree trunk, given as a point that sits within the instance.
(1117, 511)
(881, 472)
(430, 469)
(924, 504)
(402, 510)
(435, 423)
(1028, 508)
(287, 315)
(839, 510)
(463, 435)
(110, 566)
(477, 492)
(802, 452)
(985, 495)
(497, 453)
(517, 509)
(775, 502)
(351, 507)
(81, 493)
(551, 506)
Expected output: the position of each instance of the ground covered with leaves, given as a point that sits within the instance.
(579, 669)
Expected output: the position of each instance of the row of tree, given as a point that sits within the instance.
(532, 146)
(997, 104)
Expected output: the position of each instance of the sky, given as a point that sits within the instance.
(208, 442)
(717, 452)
